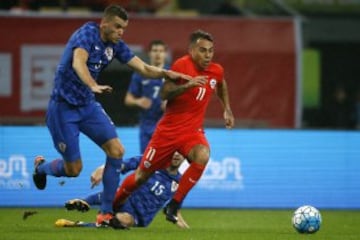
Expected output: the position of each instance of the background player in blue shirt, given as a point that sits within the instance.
(144, 203)
(144, 93)
(73, 108)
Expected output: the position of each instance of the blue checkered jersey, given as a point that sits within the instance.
(153, 195)
(150, 88)
(68, 86)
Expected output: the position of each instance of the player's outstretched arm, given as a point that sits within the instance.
(80, 57)
(223, 94)
(181, 221)
(149, 71)
(171, 90)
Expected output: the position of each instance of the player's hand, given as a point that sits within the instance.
(96, 176)
(198, 81)
(163, 105)
(144, 102)
(229, 119)
(101, 89)
(181, 223)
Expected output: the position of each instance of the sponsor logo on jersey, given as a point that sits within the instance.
(109, 53)
(213, 83)
(98, 65)
(13, 173)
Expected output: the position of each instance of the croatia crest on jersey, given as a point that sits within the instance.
(213, 83)
(174, 186)
(109, 53)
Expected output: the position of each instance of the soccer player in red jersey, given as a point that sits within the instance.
(180, 129)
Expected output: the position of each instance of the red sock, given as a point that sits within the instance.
(124, 191)
(188, 180)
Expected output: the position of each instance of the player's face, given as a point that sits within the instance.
(113, 29)
(177, 160)
(157, 55)
(202, 52)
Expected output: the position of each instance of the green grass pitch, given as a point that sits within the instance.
(205, 224)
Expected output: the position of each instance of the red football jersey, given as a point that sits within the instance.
(185, 113)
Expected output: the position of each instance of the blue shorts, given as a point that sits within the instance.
(65, 122)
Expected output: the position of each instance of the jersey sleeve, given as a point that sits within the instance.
(123, 53)
(84, 37)
(135, 85)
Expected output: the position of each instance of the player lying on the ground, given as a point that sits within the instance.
(143, 205)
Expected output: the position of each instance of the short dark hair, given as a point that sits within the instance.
(155, 43)
(200, 34)
(115, 11)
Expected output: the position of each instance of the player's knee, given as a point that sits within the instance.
(116, 151)
(200, 154)
(126, 219)
(73, 171)
(113, 148)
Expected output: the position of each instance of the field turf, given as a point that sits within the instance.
(205, 224)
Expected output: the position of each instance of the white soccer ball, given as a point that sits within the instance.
(306, 219)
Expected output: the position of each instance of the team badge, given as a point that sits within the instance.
(109, 53)
(213, 83)
(174, 186)
(62, 146)
(147, 164)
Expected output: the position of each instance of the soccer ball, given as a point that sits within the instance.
(306, 219)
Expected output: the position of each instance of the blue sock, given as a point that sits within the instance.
(94, 199)
(54, 168)
(111, 178)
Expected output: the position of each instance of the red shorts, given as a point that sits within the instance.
(161, 148)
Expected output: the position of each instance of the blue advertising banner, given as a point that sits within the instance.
(248, 168)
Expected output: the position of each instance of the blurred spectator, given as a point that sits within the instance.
(341, 110)
(357, 109)
(228, 7)
(137, 6)
(18, 5)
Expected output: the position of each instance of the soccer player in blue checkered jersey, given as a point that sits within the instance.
(73, 109)
(144, 93)
(144, 203)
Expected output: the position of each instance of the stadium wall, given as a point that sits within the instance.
(248, 169)
(260, 57)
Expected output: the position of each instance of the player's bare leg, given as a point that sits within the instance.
(129, 185)
(114, 151)
(73, 169)
(57, 168)
(125, 219)
(199, 157)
